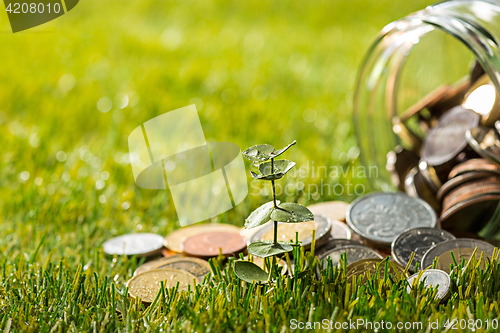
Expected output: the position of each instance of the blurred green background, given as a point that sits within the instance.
(72, 90)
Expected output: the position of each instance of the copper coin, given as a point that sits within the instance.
(176, 238)
(447, 139)
(470, 191)
(470, 215)
(460, 180)
(335, 210)
(207, 245)
(476, 164)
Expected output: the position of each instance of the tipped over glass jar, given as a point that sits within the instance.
(425, 109)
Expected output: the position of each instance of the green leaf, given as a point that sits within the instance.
(250, 272)
(281, 151)
(259, 153)
(291, 213)
(261, 215)
(262, 153)
(265, 249)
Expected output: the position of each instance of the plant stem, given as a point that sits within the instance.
(275, 206)
(275, 232)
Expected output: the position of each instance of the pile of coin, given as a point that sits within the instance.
(369, 229)
(450, 153)
(399, 226)
(186, 250)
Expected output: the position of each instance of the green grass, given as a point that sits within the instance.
(252, 68)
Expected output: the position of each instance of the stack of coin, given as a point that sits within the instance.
(450, 153)
(471, 195)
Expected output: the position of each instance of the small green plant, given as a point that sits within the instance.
(263, 157)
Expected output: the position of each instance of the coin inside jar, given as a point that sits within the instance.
(140, 245)
(460, 180)
(417, 240)
(475, 164)
(353, 254)
(445, 141)
(147, 285)
(207, 245)
(485, 142)
(470, 215)
(462, 248)
(380, 217)
(432, 278)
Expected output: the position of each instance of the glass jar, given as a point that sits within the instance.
(449, 44)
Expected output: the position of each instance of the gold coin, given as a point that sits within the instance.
(361, 267)
(260, 262)
(335, 210)
(175, 239)
(150, 265)
(198, 267)
(147, 285)
(286, 231)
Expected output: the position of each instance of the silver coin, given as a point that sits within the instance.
(340, 230)
(323, 227)
(332, 243)
(417, 240)
(141, 245)
(485, 141)
(433, 278)
(354, 253)
(461, 248)
(380, 217)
